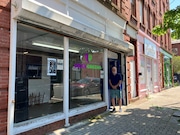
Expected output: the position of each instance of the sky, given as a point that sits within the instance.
(174, 3)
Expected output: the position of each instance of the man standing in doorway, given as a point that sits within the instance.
(115, 92)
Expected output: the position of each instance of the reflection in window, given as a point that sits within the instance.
(85, 67)
(38, 90)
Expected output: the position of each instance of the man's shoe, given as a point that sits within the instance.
(113, 110)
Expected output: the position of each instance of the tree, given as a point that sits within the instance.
(171, 20)
(176, 64)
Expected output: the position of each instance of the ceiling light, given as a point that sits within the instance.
(52, 47)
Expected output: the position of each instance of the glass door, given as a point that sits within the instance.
(149, 79)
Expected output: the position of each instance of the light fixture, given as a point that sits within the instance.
(25, 52)
(52, 47)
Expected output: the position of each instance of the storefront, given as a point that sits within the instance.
(148, 69)
(167, 69)
(59, 67)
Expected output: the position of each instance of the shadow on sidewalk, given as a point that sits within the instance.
(155, 120)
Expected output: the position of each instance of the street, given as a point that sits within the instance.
(159, 114)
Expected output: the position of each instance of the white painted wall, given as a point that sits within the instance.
(42, 85)
(84, 15)
(112, 55)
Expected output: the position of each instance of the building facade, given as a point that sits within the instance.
(152, 53)
(57, 56)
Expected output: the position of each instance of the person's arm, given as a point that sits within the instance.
(112, 86)
(110, 83)
(120, 81)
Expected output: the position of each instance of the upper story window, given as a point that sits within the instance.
(148, 17)
(114, 1)
(164, 8)
(153, 20)
(160, 8)
(141, 9)
(153, 2)
(175, 51)
(133, 7)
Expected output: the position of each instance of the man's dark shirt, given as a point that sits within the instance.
(115, 80)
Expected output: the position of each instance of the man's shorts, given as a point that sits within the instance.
(116, 93)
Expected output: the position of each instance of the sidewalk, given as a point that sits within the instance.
(157, 115)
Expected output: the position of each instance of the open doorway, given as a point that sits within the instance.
(117, 63)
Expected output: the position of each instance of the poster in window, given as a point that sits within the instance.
(60, 64)
(51, 67)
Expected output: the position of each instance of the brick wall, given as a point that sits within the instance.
(4, 62)
(60, 124)
(134, 21)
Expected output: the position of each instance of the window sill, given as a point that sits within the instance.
(142, 27)
(149, 32)
(160, 13)
(154, 37)
(134, 20)
(110, 5)
(115, 6)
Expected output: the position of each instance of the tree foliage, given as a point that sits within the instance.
(171, 20)
(176, 64)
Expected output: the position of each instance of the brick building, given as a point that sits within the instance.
(61, 53)
(176, 52)
(4, 62)
(176, 47)
(153, 53)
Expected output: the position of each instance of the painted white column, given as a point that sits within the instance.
(66, 81)
(106, 93)
(12, 74)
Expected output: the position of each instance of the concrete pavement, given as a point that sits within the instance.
(159, 114)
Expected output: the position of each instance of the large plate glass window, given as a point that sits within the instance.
(85, 67)
(39, 73)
